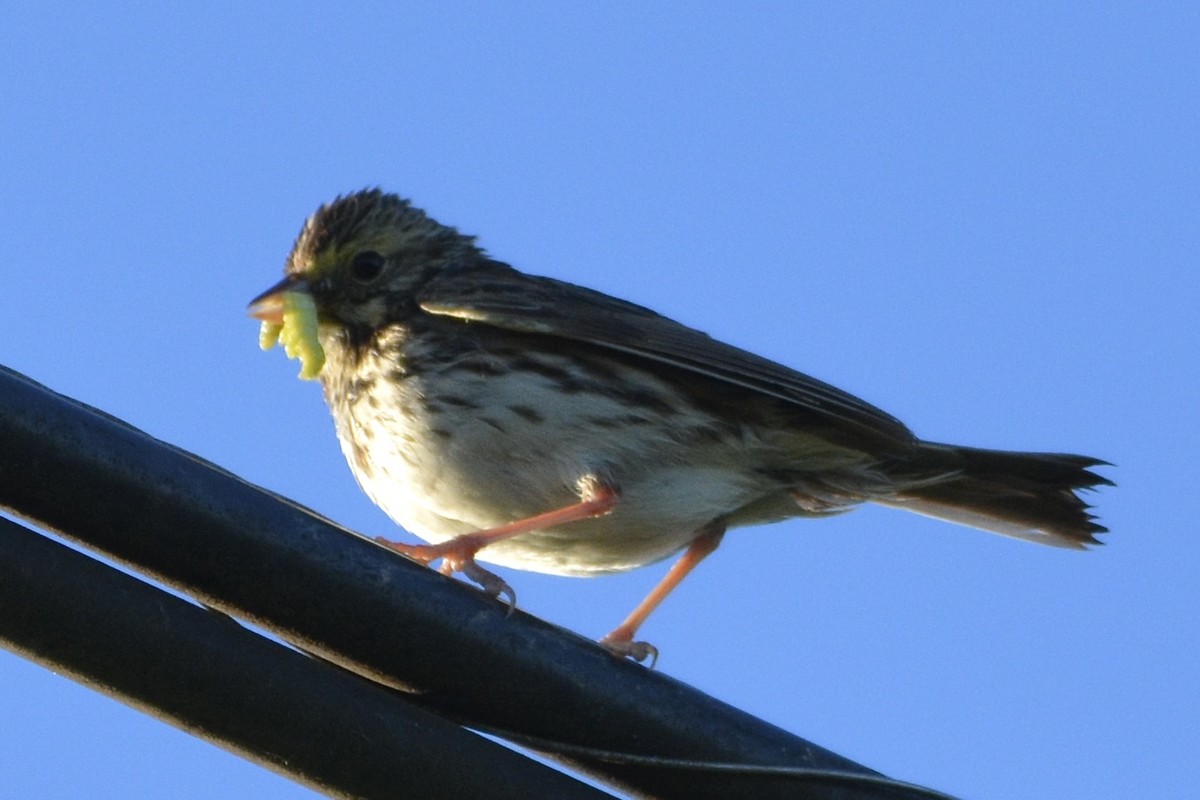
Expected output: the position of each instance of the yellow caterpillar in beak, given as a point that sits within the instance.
(297, 333)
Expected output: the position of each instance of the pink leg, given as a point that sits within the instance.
(458, 554)
(620, 640)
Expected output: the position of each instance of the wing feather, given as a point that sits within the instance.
(498, 295)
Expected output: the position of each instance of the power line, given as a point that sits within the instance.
(206, 533)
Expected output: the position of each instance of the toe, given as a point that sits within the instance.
(491, 583)
(626, 648)
(424, 553)
(457, 555)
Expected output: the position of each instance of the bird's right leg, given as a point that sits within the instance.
(620, 640)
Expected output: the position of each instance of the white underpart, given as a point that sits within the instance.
(671, 483)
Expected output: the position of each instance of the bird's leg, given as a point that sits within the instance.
(458, 554)
(620, 639)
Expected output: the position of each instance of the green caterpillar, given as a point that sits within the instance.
(297, 334)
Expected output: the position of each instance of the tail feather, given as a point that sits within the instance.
(1031, 496)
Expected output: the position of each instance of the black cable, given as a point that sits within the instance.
(319, 725)
(210, 535)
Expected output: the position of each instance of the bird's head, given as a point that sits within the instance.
(360, 260)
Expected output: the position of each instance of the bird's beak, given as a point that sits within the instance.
(268, 306)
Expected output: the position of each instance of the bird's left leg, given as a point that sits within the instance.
(597, 498)
(620, 639)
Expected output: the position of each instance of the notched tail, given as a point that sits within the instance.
(1031, 496)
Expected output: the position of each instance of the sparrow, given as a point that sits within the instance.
(531, 423)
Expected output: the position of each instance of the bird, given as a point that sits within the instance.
(531, 423)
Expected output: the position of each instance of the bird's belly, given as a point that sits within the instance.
(518, 449)
(655, 515)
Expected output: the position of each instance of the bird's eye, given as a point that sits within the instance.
(366, 266)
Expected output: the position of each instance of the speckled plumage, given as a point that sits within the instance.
(468, 395)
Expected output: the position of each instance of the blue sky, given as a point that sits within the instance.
(984, 220)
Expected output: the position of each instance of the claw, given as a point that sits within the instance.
(458, 555)
(491, 583)
(625, 648)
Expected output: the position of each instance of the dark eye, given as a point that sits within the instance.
(366, 266)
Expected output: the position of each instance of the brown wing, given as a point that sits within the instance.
(495, 294)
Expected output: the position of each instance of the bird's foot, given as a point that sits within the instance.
(458, 555)
(621, 644)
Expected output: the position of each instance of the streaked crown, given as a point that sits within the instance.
(371, 220)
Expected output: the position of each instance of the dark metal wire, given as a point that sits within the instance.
(202, 672)
(208, 534)
(800, 776)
